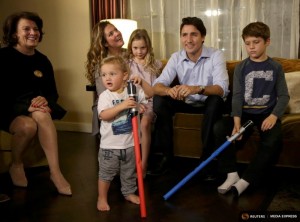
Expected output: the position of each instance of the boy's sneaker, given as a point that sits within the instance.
(4, 198)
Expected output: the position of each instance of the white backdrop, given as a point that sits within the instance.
(224, 21)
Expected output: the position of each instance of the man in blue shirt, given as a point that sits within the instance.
(202, 88)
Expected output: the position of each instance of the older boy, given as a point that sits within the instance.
(260, 94)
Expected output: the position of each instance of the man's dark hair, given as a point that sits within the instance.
(197, 22)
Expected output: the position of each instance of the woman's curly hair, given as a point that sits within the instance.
(97, 50)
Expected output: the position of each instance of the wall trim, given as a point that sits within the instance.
(74, 127)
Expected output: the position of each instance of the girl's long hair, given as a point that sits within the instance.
(150, 62)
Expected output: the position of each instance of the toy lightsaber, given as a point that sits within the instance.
(134, 115)
(204, 163)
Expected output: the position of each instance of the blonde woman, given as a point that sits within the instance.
(106, 40)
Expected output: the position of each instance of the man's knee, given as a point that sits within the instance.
(222, 128)
(214, 104)
(161, 106)
(158, 101)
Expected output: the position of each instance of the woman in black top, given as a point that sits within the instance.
(29, 96)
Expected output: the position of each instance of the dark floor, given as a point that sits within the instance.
(195, 201)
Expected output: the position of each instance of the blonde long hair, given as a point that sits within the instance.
(150, 62)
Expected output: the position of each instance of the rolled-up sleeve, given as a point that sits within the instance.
(219, 71)
(169, 72)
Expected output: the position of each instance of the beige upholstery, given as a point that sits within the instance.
(187, 127)
(293, 83)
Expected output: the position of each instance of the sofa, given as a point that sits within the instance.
(187, 127)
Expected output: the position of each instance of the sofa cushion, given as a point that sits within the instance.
(187, 121)
(293, 83)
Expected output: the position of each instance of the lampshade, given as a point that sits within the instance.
(125, 26)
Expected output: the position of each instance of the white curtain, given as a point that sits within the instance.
(224, 21)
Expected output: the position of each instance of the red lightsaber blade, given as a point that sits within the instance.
(139, 166)
(134, 119)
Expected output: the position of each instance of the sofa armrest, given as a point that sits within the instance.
(291, 126)
(91, 88)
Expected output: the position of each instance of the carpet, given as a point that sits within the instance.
(287, 198)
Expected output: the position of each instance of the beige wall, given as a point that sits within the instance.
(66, 41)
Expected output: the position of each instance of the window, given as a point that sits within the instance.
(224, 21)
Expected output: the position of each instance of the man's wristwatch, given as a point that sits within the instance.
(201, 89)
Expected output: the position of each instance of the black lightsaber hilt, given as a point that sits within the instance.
(131, 89)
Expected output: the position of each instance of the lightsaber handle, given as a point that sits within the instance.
(131, 89)
(241, 131)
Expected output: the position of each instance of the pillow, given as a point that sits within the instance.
(293, 84)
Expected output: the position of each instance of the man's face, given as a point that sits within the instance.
(191, 40)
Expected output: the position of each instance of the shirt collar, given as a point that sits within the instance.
(206, 53)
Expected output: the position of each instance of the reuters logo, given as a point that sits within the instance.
(245, 216)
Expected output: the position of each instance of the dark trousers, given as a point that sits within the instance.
(165, 107)
(267, 153)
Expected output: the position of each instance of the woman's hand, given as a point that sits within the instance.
(39, 101)
(44, 109)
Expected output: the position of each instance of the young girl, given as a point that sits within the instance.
(116, 153)
(142, 63)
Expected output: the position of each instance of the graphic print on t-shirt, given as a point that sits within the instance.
(122, 123)
(261, 78)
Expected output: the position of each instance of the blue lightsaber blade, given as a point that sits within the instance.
(204, 163)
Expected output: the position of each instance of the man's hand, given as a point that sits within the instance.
(173, 92)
